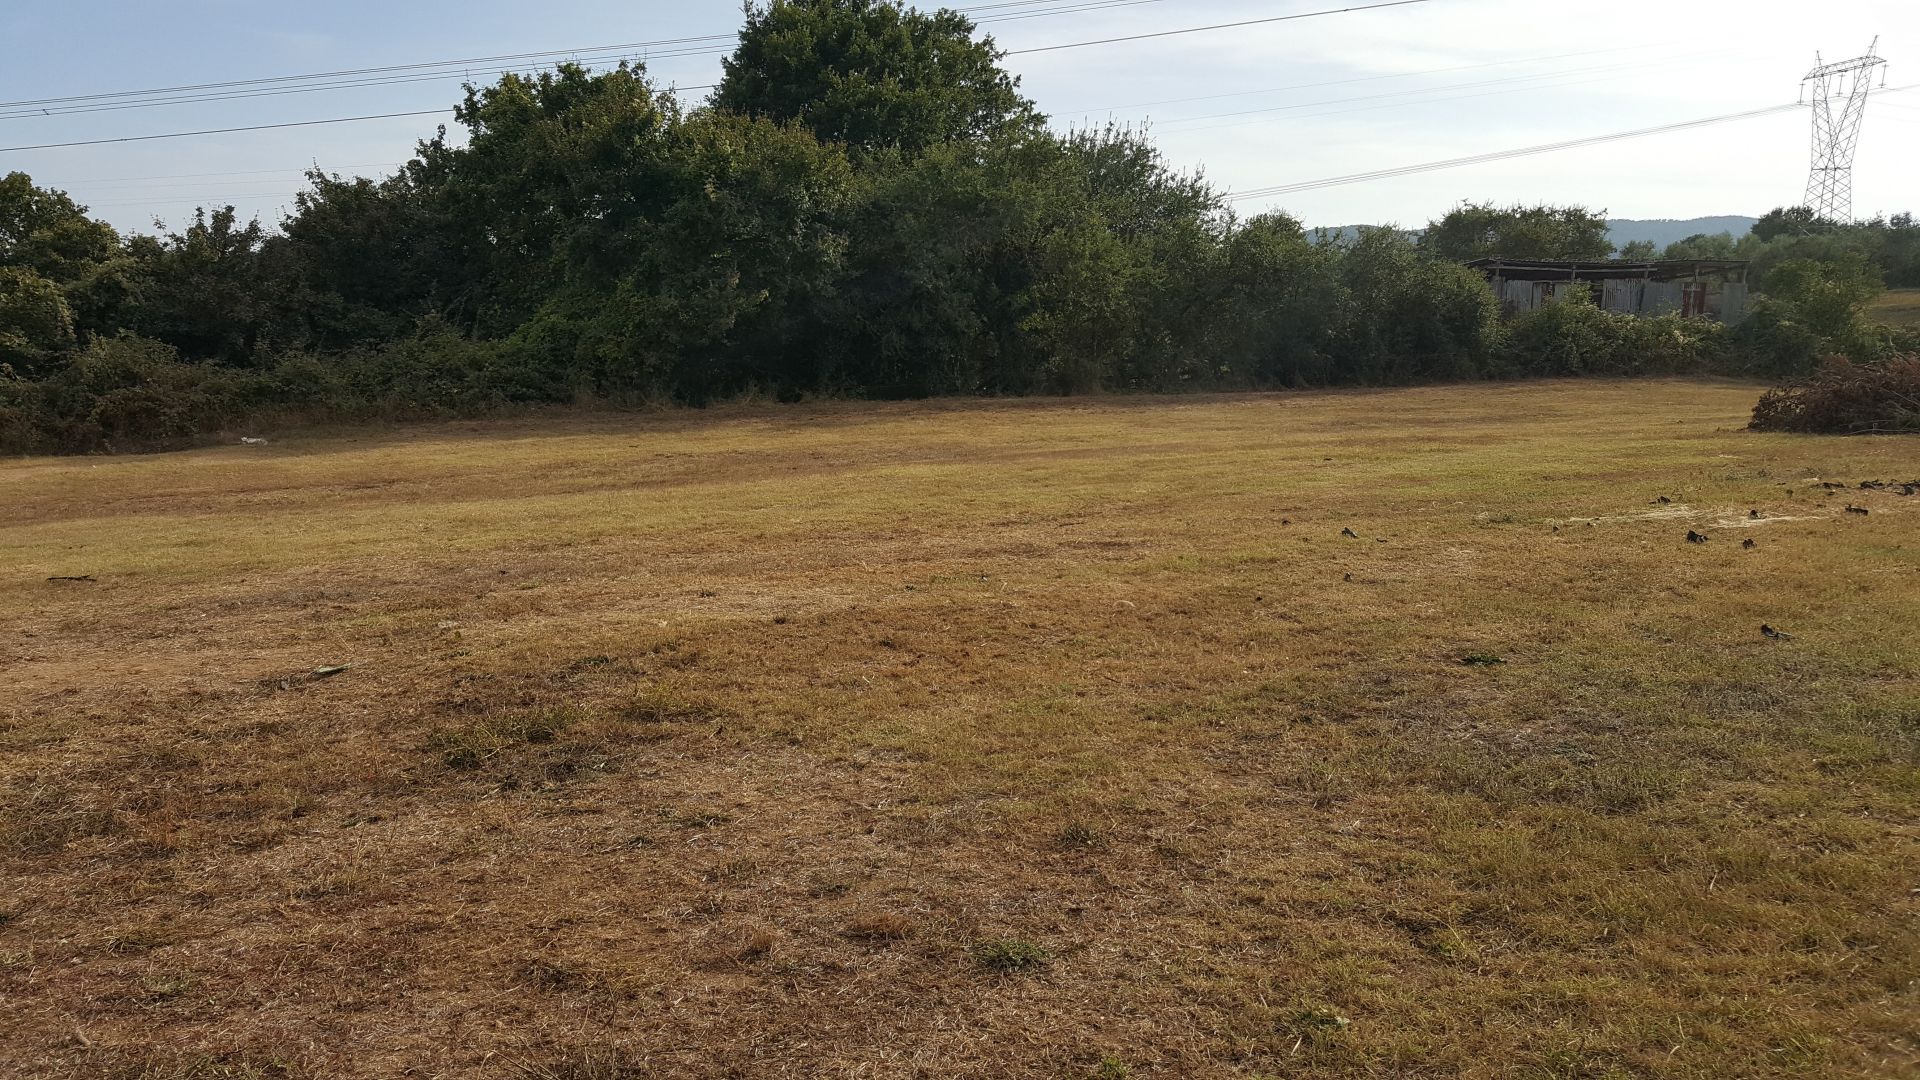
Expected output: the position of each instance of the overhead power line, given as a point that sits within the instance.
(1218, 26)
(1069, 9)
(281, 91)
(699, 45)
(1502, 155)
(1513, 83)
(220, 200)
(428, 112)
(1075, 112)
(349, 72)
(1424, 167)
(1357, 79)
(223, 131)
(1530, 85)
(296, 171)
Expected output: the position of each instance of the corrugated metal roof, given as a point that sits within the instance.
(1657, 269)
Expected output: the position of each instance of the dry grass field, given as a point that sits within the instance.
(1064, 738)
(1901, 307)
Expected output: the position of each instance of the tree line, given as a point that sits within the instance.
(1889, 246)
(865, 206)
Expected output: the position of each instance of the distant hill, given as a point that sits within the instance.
(1662, 231)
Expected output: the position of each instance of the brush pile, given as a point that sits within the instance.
(1845, 398)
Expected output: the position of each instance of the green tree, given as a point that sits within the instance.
(35, 321)
(1786, 221)
(1829, 297)
(927, 301)
(1025, 263)
(557, 170)
(871, 74)
(1899, 256)
(725, 285)
(1704, 246)
(1283, 301)
(45, 232)
(1812, 308)
(1411, 316)
(360, 261)
(201, 290)
(1482, 230)
(1638, 251)
(1121, 268)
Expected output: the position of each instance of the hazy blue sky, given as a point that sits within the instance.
(1340, 94)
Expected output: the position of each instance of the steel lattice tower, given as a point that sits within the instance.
(1838, 100)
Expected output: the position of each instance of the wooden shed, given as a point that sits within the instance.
(1695, 288)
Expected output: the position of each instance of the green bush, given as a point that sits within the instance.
(1772, 340)
(1573, 336)
(123, 393)
(440, 373)
(1569, 336)
(130, 393)
(1813, 308)
(1409, 317)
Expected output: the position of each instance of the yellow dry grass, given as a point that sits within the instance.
(1046, 738)
(1900, 307)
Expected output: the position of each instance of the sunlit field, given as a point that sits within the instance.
(1370, 734)
(1901, 307)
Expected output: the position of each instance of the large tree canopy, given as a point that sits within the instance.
(871, 74)
(1787, 221)
(1482, 230)
(556, 168)
(48, 233)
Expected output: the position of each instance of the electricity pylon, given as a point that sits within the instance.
(1838, 100)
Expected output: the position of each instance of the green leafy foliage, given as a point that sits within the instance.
(1482, 230)
(121, 392)
(1411, 317)
(35, 321)
(1813, 308)
(1786, 221)
(1283, 305)
(871, 74)
(1712, 246)
(1572, 336)
(44, 231)
(360, 259)
(200, 290)
(1891, 246)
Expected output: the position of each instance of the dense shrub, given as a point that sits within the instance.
(1280, 306)
(131, 393)
(1412, 317)
(1846, 398)
(1572, 336)
(123, 392)
(434, 373)
(1773, 340)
